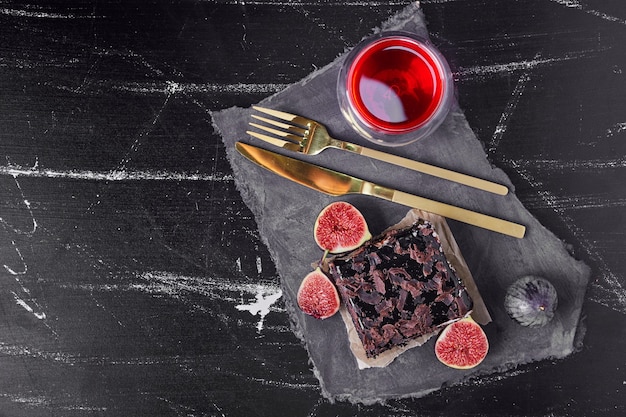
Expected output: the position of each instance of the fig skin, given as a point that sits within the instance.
(340, 227)
(531, 301)
(317, 295)
(462, 344)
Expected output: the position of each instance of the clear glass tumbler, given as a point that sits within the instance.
(395, 88)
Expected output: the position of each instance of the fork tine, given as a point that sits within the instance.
(280, 133)
(276, 142)
(291, 128)
(303, 121)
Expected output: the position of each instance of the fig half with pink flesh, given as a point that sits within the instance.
(317, 295)
(462, 344)
(340, 227)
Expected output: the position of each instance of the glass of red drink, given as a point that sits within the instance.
(395, 88)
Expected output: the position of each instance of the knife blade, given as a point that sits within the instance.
(337, 183)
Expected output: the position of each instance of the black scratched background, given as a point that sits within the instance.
(133, 279)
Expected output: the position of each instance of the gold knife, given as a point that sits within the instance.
(336, 183)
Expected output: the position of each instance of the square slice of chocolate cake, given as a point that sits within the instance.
(399, 286)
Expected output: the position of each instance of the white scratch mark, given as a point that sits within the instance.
(167, 282)
(509, 109)
(490, 379)
(280, 384)
(575, 4)
(115, 175)
(39, 401)
(169, 88)
(73, 359)
(507, 68)
(179, 409)
(83, 408)
(27, 351)
(28, 308)
(238, 264)
(261, 306)
(19, 254)
(26, 202)
(525, 65)
(578, 165)
(44, 15)
(616, 129)
(219, 409)
(259, 265)
(138, 58)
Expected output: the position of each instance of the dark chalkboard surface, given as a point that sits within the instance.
(134, 279)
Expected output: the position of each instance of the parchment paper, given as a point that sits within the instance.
(285, 213)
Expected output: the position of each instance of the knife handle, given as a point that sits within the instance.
(457, 213)
(435, 171)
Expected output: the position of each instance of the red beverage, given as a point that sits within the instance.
(396, 85)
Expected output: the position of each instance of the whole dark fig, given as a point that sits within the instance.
(531, 301)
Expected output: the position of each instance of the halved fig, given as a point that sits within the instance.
(340, 227)
(462, 344)
(317, 295)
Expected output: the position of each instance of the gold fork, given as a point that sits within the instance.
(310, 137)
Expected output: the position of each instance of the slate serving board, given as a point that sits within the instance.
(285, 213)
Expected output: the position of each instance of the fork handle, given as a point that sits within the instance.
(435, 171)
(485, 221)
(457, 213)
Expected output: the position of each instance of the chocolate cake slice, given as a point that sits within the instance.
(399, 286)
